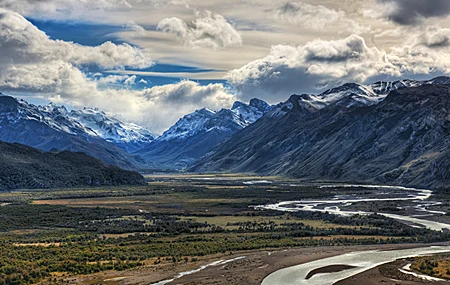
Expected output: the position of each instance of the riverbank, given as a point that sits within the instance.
(250, 269)
(375, 277)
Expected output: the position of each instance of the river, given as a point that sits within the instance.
(361, 261)
(358, 262)
(336, 205)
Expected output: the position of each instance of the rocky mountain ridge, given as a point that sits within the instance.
(402, 139)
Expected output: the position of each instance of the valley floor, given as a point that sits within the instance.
(250, 270)
(180, 223)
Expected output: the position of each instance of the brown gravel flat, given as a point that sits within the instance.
(248, 271)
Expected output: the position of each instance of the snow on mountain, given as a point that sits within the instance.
(86, 122)
(389, 142)
(13, 111)
(251, 112)
(129, 136)
(197, 133)
(226, 120)
(352, 94)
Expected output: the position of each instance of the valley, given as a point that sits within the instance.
(201, 225)
(194, 142)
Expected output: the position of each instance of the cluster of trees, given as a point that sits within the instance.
(82, 251)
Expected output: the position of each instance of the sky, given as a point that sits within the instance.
(152, 61)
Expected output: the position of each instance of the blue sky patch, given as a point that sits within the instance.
(82, 33)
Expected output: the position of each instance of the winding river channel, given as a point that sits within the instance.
(358, 262)
(336, 205)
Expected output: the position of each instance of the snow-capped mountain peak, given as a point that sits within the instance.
(251, 112)
(86, 122)
(352, 94)
(127, 135)
(225, 120)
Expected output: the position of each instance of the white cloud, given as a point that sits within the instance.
(132, 26)
(211, 31)
(306, 15)
(157, 108)
(130, 80)
(31, 62)
(307, 68)
(431, 37)
(322, 64)
(23, 43)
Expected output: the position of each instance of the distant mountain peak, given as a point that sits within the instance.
(129, 136)
(206, 111)
(351, 95)
(88, 122)
(198, 132)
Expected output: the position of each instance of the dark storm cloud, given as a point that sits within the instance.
(412, 12)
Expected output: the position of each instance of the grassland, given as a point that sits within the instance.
(51, 236)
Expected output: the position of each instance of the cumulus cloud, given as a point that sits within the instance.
(157, 108)
(23, 43)
(32, 62)
(211, 31)
(130, 80)
(310, 67)
(431, 37)
(409, 12)
(305, 15)
(323, 64)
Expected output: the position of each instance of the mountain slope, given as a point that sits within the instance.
(26, 167)
(128, 136)
(403, 139)
(197, 133)
(49, 127)
(352, 94)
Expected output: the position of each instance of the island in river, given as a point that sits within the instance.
(204, 229)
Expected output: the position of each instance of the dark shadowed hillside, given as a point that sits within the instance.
(26, 167)
(403, 140)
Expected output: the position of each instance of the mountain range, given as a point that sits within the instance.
(115, 142)
(197, 133)
(52, 127)
(393, 133)
(386, 132)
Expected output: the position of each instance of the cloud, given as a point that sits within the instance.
(320, 64)
(431, 37)
(305, 15)
(310, 67)
(157, 108)
(32, 62)
(211, 31)
(23, 43)
(132, 26)
(130, 80)
(116, 81)
(409, 12)
(49, 9)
